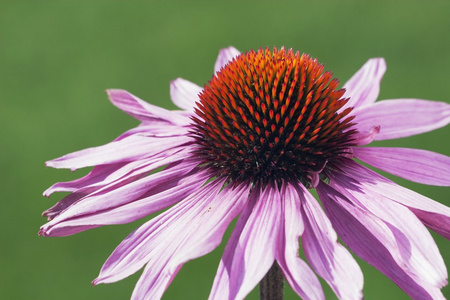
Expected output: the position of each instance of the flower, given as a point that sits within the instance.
(268, 127)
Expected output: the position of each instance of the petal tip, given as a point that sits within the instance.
(229, 49)
(174, 84)
(225, 56)
(116, 93)
(381, 66)
(56, 164)
(42, 232)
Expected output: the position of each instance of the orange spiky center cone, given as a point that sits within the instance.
(271, 117)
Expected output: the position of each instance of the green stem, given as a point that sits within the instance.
(271, 286)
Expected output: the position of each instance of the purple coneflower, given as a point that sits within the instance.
(267, 128)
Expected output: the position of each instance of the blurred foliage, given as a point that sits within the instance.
(58, 57)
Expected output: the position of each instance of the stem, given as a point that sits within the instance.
(271, 286)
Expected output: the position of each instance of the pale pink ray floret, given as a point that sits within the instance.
(381, 222)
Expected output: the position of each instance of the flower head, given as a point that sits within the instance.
(271, 116)
(269, 126)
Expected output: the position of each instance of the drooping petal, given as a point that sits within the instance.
(250, 252)
(119, 177)
(125, 213)
(402, 117)
(381, 244)
(225, 55)
(128, 149)
(124, 261)
(134, 210)
(144, 111)
(113, 176)
(296, 272)
(413, 164)
(433, 214)
(102, 175)
(184, 93)
(364, 86)
(66, 202)
(93, 210)
(327, 257)
(414, 248)
(190, 229)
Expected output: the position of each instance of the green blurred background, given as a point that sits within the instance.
(58, 57)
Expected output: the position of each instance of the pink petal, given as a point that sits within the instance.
(159, 130)
(413, 164)
(297, 273)
(364, 86)
(225, 56)
(94, 209)
(155, 130)
(128, 149)
(144, 111)
(375, 242)
(433, 214)
(402, 117)
(190, 229)
(184, 94)
(327, 257)
(250, 252)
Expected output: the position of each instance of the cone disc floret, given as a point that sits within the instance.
(271, 116)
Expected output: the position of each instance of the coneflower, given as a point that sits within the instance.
(268, 127)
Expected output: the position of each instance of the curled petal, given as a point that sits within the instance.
(184, 93)
(364, 86)
(250, 252)
(413, 164)
(402, 117)
(366, 137)
(225, 55)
